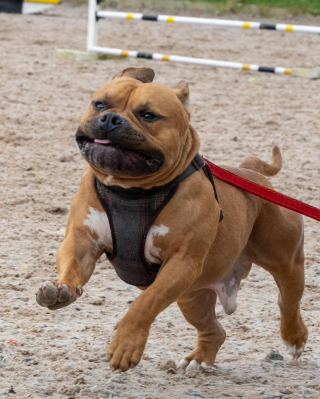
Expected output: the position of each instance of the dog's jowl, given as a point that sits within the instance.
(148, 201)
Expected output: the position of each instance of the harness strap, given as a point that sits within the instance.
(131, 213)
(137, 192)
(196, 164)
(209, 175)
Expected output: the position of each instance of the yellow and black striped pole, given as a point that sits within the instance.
(209, 21)
(189, 60)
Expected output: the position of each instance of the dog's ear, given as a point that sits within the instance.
(182, 92)
(145, 75)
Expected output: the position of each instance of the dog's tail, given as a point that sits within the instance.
(266, 169)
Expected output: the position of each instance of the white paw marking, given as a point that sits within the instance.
(293, 350)
(151, 252)
(182, 364)
(98, 223)
(193, 365)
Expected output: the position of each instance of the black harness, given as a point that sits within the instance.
(131, 213)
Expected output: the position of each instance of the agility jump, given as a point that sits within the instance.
(209, 21)
(92, 40)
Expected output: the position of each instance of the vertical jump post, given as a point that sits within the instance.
(92, 35)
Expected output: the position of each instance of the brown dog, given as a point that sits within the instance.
(136, 136)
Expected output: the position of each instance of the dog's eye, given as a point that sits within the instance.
(98, 105)
(148, 116)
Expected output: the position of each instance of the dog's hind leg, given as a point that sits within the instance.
(276, 244)
(199, 310)
(293, 330)
(290, 281)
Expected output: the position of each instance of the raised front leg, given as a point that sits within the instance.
(199, 310)
(76, 260)
(88, 235)
(126, 348)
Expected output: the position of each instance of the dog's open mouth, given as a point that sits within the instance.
(112, 157)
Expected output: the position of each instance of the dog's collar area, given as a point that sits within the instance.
(196, 164)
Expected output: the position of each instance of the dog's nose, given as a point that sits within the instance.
(110, 120)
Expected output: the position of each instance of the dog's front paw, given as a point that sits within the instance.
(197, 360)
(55, 296)
(187, 365)
(126, 347)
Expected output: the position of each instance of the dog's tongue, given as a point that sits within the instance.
(102, 141)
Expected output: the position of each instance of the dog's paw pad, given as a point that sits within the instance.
(64, 293)
(47, 294)
(55, 296)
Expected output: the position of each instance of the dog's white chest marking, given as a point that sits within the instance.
(108, 182)
(227, 288)
(151, 252)
(98, 223)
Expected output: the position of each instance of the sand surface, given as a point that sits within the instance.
(61, 354)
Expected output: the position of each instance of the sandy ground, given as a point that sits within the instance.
(61, 354)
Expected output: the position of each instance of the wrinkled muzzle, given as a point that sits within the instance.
(111, 144)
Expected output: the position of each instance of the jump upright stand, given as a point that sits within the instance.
(92, 40)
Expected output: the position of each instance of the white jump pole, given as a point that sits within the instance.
(209, 21)
(189, 60)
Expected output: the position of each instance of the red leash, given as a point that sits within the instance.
(264, 192)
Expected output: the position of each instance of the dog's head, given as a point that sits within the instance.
(135, 129)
